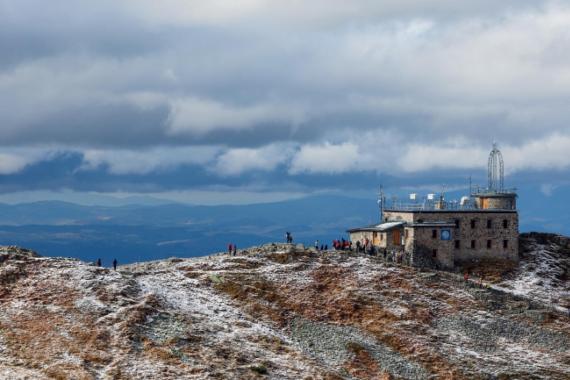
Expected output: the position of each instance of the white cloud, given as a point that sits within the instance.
(147, 161)
(14, 160)
(549, 152)
(201, 116)
(421, 157)
(240, 160)
(326, 158)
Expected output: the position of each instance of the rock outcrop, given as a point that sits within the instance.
(282, 312)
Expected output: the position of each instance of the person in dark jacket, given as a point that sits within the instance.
(115, 264)
(98, 262)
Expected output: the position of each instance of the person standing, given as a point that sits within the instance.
(316, 245)
(115, 264)
(98, 262)
(235, 250)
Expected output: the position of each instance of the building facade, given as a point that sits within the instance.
(446, 234)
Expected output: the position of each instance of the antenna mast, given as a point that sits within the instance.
(496, 170)
(381, 202)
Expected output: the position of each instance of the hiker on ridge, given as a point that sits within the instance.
(115, 264)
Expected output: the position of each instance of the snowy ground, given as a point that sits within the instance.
(542, 275)
(279, 312)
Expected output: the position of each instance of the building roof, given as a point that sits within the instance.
(448, 211)
(382, 227)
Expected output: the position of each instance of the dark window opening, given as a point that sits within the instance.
(489, 243)
(406, 233)
(457, 223)
(434, 234)
(420, 220)
(434, 253)
(472, 244)
(457, 244)
(505, 223)
(489, 223)
(473, 223)
(505, 244)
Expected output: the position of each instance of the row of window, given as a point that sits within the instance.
(489, 223)
(505, 223)
(474, 245)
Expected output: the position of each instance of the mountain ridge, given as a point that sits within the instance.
(284, 311)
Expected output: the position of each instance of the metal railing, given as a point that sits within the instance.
(429, 205)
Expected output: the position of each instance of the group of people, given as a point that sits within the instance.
(321, 247)
(232, 249)
(99, 263)
(289, 237)
(342, 245)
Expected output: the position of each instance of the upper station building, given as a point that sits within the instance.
(434, 231)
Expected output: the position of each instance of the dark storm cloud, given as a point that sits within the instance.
(293, 90)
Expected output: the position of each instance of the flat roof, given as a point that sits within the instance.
(472, 211)
(382, 227)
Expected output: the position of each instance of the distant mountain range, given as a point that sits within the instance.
(143, 232)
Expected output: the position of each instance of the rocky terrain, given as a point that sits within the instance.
(285, 312)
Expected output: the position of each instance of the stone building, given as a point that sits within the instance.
(445, 233)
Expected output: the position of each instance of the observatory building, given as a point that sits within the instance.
(432, 231)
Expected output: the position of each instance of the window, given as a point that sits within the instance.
(406, 233)
(489, 244)
(505, 223)
(457, 244)
(457, 223)
(473, 223)
(434, 253)
(434, 234)
(472, 244)
(489, 223)
(505, 244)
(420, 220)
(381, 236)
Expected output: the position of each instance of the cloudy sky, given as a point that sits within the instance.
(248, 100)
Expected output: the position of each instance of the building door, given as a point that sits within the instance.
(375, 238)
(396, 237)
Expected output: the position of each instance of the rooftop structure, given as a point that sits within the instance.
(494, 197)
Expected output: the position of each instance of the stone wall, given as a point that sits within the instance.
(420, 240)
(423, 248)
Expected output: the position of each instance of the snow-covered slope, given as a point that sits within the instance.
(277, 311)
(544, 270)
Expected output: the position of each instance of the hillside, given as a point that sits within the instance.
(284, 312)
